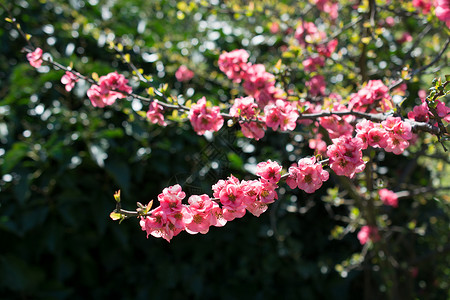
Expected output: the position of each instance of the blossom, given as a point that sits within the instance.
(154, 114)
(308, 175)
(316, 85)
(269, 170)
(205, 118)
(311, 63)
(327, 6)
(202, 216)
(109, 88)
(424, 5)
(281, 114)
(35, 58)
(373, 95)
(69, 80)
(171, 217)
(259, 84)
(399, 133)
(388, 197)
(254, 130)
(338, 125)
(368, 233)
(372, 134)
(234, 64)
(346, 156)
(442, 11)
(184, 74)
(245, 108)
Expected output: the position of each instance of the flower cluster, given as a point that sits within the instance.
(388, 197)
(311, 63)
(316, 85)
(281, 114)
(257, 82)
(172, 217)
(69, 79)
(346, 156)
(234, 64)
(422, 113)
(373, 95)
(308, 34)
(442, 11)
(392, 134)
(236, 197)
(204, 118)
(154, 114)
(327, 6)
(35, 58)
(109, 88)
(184, 74)
(368, 233)
(338, 125)
(308, 175)
(245, 108)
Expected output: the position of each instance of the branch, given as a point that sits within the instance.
(423, 68)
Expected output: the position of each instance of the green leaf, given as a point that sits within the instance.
(18, 151)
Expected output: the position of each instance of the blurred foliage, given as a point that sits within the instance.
(62, 160)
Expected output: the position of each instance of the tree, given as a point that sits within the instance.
(340, 97)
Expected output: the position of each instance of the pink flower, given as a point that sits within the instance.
(269, 170)
(308, 33)
(69, 80)
(311, 63)
(274, 28)
(244, 107)
(388, 197)
(443, 11)
(95, 95)
(316, 85)
(399, 133)
(234, 64)
(154, 114)
(230, 193)
(338, 125)
(308, 175)
(327, 6)
(267, 193)
(115, 82)
(259, 84)
(35, 58)
(424, 5)
(281, 114)
(202, 215)
(205, 118)
(368, 233)
(318, 144)
(253, 130)
(346, 156)
(390, 21)
(110, 88)
(406, 37)
(373, 95)
(184, 74)
(328, 48)
(171, 217)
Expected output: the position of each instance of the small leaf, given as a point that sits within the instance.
(117, 196)
(8, 20)
(95, 76)
(115, 216)
(28, 36)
